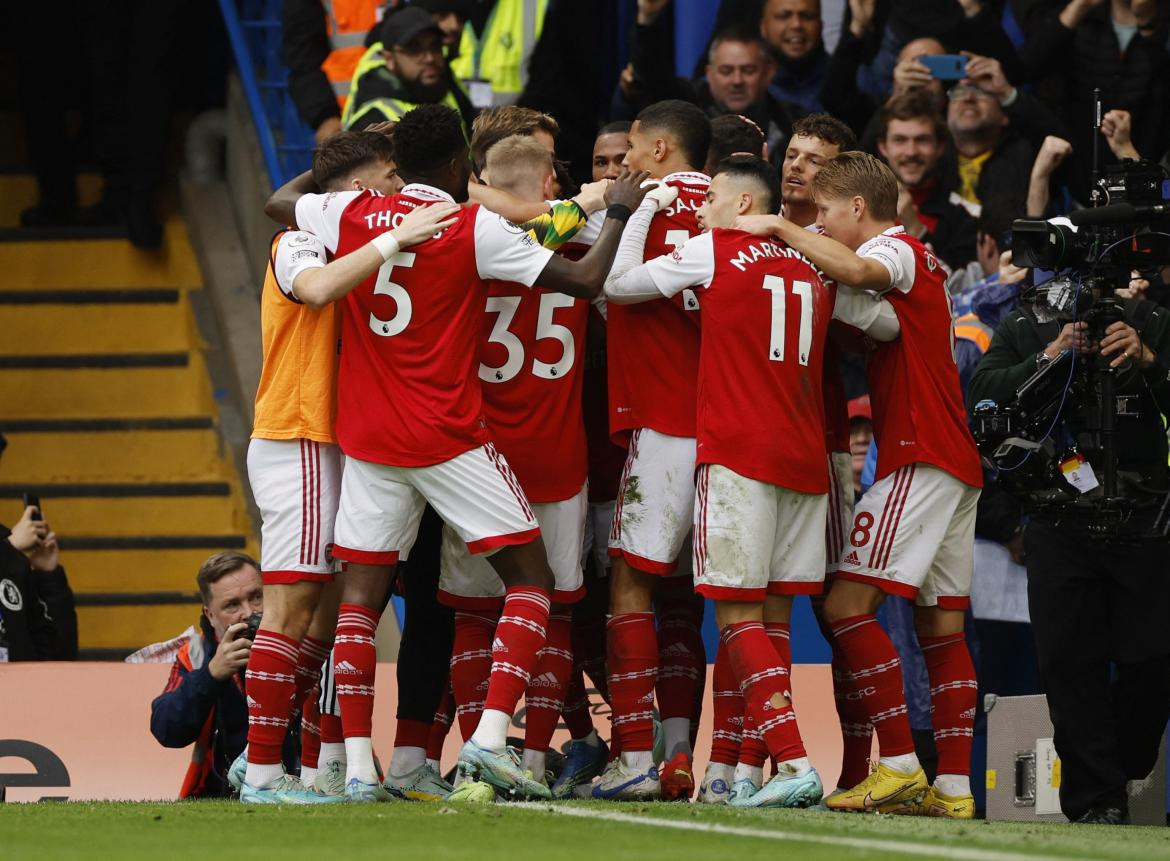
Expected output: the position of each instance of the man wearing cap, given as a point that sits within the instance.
(405, 68)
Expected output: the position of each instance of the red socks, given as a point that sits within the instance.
(354, 662)
(269, 682)
(576, 708)
(441, 725)
(311, 657)
(856, 730)
(545, 697)
(682, 661)
(761, 678)
(952, 700)
(412, 733)
(876, 673)
(331, 731)
(520, 634)
(471, 664)
(311, 729)
(632, 661)
(727, 710)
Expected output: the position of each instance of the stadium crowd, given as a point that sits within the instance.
(527, 433)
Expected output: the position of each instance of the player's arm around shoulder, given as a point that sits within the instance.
(830, 256)
(629, 280)
(317, 286)
(873, 316)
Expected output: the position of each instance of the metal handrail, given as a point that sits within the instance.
(254, 30)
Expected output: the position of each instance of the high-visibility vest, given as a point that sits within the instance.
(393, 109)
(501, 55)
(973, 329)
(347, 22)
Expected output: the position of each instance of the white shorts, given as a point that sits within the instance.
(296, 483)
(840, 507)
(913, 535)
(753, 538)
(469, 582)
(475, 493)
(656, 501)
(598, 524)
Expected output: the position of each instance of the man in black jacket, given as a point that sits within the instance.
(37, 618)
(1098, 604)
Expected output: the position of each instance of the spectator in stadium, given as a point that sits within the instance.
(913, 139)
(405, 68)
(735, 81)
(1119, 46)
(498, 41)
(37, 619)
(321, 43)
(792, 29)
(203, 702)
(609, 150)
(992, 268)
(731, 135)
(996, 129)
(1098, 605)
(860, 436)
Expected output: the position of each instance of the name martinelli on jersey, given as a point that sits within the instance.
(765, 249)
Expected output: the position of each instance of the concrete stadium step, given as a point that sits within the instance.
(114, 456)
(117, 571)
(132, 627)
(111, 263)
(95, 393)
(18, 191)
(72, 330)
(138, 515)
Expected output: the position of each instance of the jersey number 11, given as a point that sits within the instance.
(776, 285)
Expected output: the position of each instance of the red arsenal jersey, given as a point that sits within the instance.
(408, 388)
(654, 347)
(531, 367)
(766, 312)
(918, 414)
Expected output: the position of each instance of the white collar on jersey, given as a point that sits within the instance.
(418, 189)
(687, 177)
(893, 231)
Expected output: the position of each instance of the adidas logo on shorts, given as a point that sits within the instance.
(852, 559)
(345, 668)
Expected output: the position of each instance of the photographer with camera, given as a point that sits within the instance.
(205, 701)
(1084, 447)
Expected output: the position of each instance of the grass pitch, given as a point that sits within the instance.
(579, 830)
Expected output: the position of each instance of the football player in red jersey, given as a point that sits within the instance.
(410, 421)
(913, 532)
(762, 493)
(653, 352)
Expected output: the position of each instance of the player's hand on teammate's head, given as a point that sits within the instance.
(385, 128)
(627, 189)
(424, 222)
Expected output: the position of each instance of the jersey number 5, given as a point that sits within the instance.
(504, 307)
(383, 286)
(776, 285)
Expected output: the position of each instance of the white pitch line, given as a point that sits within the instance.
(862, 843)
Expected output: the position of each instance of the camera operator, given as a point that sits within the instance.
(1097, 601)
(204, 700)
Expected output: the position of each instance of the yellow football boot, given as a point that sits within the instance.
(884, 791)
(946, 806)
